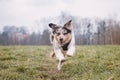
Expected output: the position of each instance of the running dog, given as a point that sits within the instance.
(63, 41)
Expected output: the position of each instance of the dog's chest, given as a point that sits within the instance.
(66, 46)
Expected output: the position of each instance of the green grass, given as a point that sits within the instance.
(33, 63)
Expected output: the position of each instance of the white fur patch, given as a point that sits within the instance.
(71, 47)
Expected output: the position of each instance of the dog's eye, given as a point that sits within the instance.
(58, 34)
(64, 31)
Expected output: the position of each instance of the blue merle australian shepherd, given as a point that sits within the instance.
(63, 41)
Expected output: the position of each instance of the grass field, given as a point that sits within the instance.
(33, 63)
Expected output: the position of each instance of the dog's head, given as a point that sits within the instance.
(62, 33)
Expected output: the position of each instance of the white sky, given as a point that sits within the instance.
(26, 12)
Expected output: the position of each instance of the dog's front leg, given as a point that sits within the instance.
(60, 57)
(59, 65)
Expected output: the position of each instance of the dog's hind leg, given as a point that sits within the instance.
(52, 54)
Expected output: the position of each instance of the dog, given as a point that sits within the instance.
(63, 41)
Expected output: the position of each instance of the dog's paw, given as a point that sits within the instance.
(59, 67)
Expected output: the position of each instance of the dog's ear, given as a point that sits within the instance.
(68, 25)
(51, 25)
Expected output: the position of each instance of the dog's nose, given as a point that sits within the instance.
(61, 39)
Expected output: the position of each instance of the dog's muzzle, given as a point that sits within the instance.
(61, 40)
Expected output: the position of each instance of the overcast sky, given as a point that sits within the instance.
(26, 12)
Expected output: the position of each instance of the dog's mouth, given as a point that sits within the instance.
(61, 43)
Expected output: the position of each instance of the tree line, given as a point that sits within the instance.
(88, 31)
